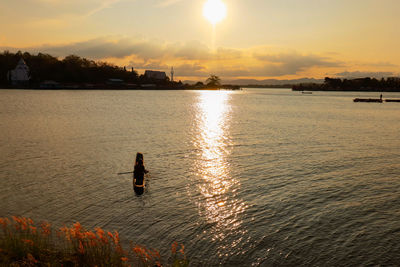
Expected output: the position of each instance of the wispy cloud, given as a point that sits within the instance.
(293, 62)
(103, 5)
(363, 74)
(165, 3)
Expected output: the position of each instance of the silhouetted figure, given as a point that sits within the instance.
(138, 174)
(381, 96)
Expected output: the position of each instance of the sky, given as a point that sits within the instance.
(258, 39)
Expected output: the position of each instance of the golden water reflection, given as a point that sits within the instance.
(218, 202)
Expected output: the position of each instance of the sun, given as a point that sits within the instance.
(214, 11)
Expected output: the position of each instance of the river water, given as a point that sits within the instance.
(257, 177)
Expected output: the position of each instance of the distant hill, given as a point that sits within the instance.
(244, 82)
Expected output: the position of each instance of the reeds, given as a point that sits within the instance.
(23, 243)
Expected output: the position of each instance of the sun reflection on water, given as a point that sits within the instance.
(218, 202)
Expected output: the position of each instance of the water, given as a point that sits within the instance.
(257, 177)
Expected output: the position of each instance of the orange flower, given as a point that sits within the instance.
(27, 241)
(155, 253)
(81, 249)
(78, 226)
(4, 222)
(76, 231)
(148, 257)
(30, 221)
(116, 238)
(137, 249)
(142, 252)
(33, 228)
(45, 228)
(17, 222)
(124, 259)
(31, 258)
(90, 235)
(182, 250)
(101, 234)
(99, 231)
(65, 230)
(24, 223)
(16, 219)
(110, 235)
(173, 247)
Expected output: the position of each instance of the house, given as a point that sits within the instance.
(19, 75)
(156, 75)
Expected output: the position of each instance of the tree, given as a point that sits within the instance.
(213, 81)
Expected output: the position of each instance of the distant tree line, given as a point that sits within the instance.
(71, 69)
(75, 70)
(391, 84)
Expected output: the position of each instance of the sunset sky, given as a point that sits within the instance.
(282, 39)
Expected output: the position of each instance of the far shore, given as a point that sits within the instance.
(105, 88)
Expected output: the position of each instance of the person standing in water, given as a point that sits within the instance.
(138, 174)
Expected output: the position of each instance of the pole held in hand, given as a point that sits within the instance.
(124, 173)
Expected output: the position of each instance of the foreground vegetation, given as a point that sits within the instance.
(23, 243)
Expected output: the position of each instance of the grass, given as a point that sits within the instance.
(23, 243)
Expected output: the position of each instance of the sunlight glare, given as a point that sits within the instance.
(214, 11)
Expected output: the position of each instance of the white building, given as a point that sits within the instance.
(157, 75)
(19, 75)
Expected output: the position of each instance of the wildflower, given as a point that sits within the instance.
(138, 250)
(31, 258)
(77, 226)
(30, 221)
(45, 228)
(155, 253)
(81, 249)
(65, 230)
(182, 250)
(100, 232)
(76, 231)
(27, 241)
(110, 235)
(158, 264)
(4, 222)
(33, 228)
(124, 259)
(17, 222)
(16, 219)
(90, 235)
(148, 257)
(24, 223)
(173, 247)
(142, 253)
(116, 238)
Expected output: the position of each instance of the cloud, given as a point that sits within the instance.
(195, 59)
(382, 64)
(192, 50)
(166, 3)
(292, 63)
(363, 74)
(103, 5)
